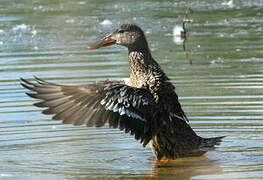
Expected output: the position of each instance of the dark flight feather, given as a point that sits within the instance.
(113, 102)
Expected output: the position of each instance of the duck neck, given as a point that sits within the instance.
(139, 53)
(141, 48)
(140, 59)
(144, 70)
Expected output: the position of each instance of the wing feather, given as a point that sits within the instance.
(113, 102)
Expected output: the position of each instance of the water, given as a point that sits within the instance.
(219, 79)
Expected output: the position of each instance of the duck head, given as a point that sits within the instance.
(128, 35)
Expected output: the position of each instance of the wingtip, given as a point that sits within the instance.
(32, 95)
(35, 77)
(40, 104)
(22, 79)
(27, 86)
(48, 111)
(25, 81)
(221, 138)
(40, 81)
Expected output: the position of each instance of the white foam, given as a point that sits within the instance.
(21, 27)
(5, 175)
(177, 30)
(70, 21)
(82, 2)
(177, 40)
(34, 32)
(106, 22)
(229, 3)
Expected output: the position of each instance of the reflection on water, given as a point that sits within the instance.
(187, 168)
(221, 91)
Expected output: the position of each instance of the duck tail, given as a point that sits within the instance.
(209, 143)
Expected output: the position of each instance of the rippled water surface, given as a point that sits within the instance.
(219, 78)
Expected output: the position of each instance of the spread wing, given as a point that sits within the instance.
(113, 102)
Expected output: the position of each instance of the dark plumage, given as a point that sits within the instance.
(146, 106)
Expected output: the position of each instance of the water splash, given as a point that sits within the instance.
(20, 27)
(229, 3)
(177, 30)
(106, 22)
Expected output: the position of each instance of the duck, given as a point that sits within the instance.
(146, 106)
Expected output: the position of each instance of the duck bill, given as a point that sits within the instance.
(107, 41)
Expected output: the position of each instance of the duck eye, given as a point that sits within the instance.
(121, 31)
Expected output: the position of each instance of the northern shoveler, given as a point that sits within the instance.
(146, 106)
